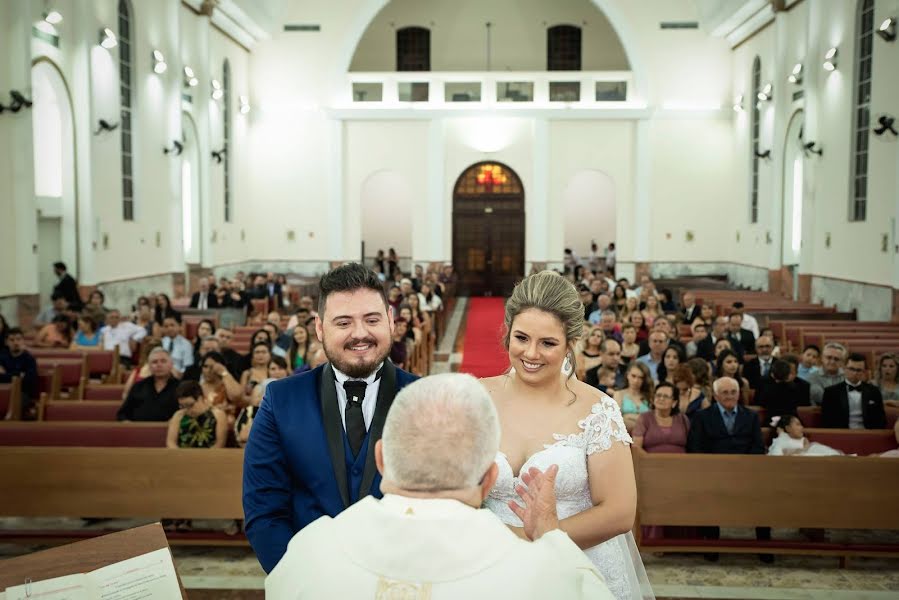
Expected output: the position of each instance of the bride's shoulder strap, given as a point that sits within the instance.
(604, 425)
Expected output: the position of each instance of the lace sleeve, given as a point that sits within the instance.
(603, 426)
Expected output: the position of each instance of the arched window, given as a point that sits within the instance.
(125, 92)
(862, 122)
(413, 49)
(756, 88)
(226, 134)
(563, 48)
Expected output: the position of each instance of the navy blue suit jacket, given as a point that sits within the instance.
(294, 468)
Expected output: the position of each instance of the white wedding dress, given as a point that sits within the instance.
(618, 558)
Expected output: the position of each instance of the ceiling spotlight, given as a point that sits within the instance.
(217, 91)
(190, 79)
(887, 29)
(108, 39)
(244, 104)
(738, 103)
(830, 59)
(53, 17)
(796, 75)
(766, 92)
(159, 65)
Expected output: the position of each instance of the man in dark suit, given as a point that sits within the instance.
(67, 287)
(690, 309)
(738, 336)
(725, 427)
(274, 291)
(853, 404)
(803, 389)
(204, 298)
(610, 357)
(757, 371)
(705, 349)
(780, 394)
(311, 449)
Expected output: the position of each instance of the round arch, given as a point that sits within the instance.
(792, 207)
(55, 175)
(191, 195)
(488, 229)
(369, 9)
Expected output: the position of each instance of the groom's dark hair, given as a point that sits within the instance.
(348, 278)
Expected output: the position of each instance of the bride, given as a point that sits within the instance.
(549, 417)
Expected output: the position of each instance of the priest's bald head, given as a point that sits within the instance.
(440, 440)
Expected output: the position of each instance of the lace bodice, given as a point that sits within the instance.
(599, 430)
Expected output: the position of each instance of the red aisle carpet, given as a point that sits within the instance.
(483, 354)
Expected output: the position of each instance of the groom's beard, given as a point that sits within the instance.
(357, 369)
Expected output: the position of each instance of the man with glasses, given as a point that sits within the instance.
(831, 371)
(853, 403)
(758, 370)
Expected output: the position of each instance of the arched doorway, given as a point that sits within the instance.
(488, 229)
(53, 129)
(791, 217)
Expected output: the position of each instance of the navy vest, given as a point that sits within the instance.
(354, 466)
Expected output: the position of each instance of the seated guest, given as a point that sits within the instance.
(853, 403)
(413, 326)
(58, 306)
(700, 332)
(708, 312)
(122, 334)
(220, 388)
(722, 345)
(4, 331)
(298, 354)
(399, 350)
(280, 341)
(244, 421)
(639, 322)
(196, 424)
(630, 349)
(203, 299)
(672, 358)
(437, 457)
(261, 356)
(635, 398)
(748, 321)
(233, 360)
(706, 347)
(831, 373)
(58, 334)
(802, 386)
(143, 318)
(664, 429)
(689, 309)
(609, 358)
(658, 341)
(690, 396)
(205, 329)
(17, 361)
(727, 428)
(768, 332)
(87, 335)
(588, 355)
(791, 440)
(430, 301)
(886, 379)
(728, 365)
(652, 310)
(206, 345)
(153, 398)
(605, 379)
(666, 301)
(297, 318)
(780, 395)
(631, 305)
(757, 370)
(810, 362)
(175, 344)
(141, 369)
(277, 368)
(163, 309)
(96, 306)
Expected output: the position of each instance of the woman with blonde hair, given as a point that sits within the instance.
(636, 398)
(548, 417)
(588, 354)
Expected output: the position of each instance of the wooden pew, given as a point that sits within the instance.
(112, 434)
(841, 492)
(11, 399)
(82, 410)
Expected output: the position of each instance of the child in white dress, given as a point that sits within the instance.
(791, 441)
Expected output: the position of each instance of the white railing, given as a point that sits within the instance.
(479, 90)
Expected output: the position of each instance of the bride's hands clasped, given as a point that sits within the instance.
(538, 515)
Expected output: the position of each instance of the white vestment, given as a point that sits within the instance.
(401, 548)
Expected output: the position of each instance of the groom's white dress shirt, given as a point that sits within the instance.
(435, 549)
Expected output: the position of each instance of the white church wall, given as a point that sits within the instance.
(517, 34)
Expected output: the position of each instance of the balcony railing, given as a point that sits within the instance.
(572, 89)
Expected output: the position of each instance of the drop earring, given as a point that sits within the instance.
(566, 366)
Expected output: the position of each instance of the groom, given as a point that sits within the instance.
(311, 448)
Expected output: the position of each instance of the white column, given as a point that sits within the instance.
(632, 236)
(439, 220)
(337, 233)
(537, 227)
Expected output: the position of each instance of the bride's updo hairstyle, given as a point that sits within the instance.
(550, 292)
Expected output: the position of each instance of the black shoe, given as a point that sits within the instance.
(711, 556)
(766, 558)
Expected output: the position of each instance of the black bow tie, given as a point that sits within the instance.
(355, 390)
(853, 388)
